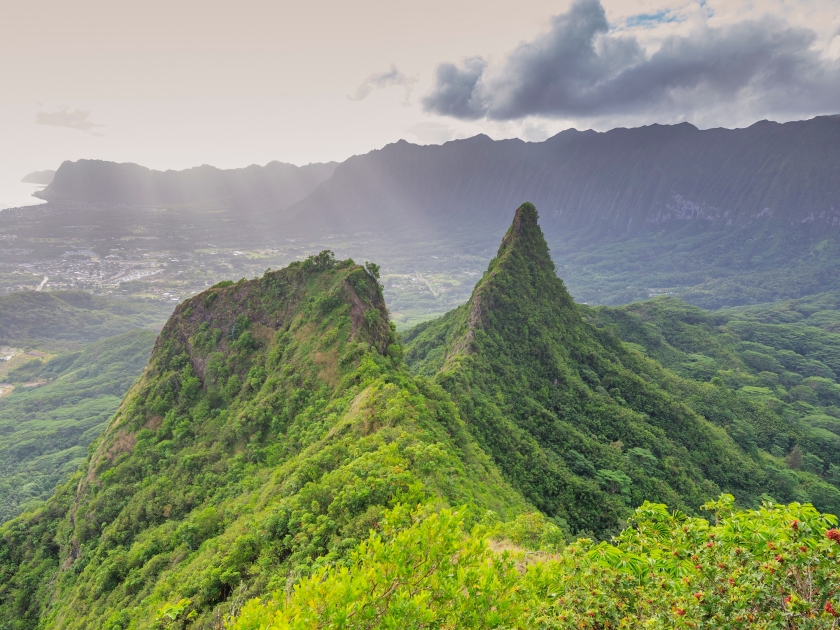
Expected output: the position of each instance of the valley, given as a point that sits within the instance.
(420, 316)
(168, 255)
(220, 397)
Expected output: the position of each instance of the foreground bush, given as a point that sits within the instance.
(775, 567)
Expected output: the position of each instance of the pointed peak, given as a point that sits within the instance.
(526, 237)
(526, 216)
(520, 287)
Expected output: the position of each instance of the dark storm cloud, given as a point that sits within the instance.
(64, 118)
(578, 68)
(378, 80)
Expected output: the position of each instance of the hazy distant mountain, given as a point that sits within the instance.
(630, 180)
(626, 179)
(720, 217)
(39, 177)
(274, 185)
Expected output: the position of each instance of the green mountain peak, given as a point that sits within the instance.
(525, 236)
(556, 401)
(523, 268)
(519, 279)
(272, 429)
(277, 427)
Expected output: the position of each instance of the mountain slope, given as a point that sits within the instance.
(39, 177)
(277, 426)
(71, 318)
(782, 379)
(720, 217)
(627, 180)
(578, 422)
(270, 431)
(276, 184)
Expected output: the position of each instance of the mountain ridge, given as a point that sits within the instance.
(261, 400)
(538, 384)
(281, 422)
(628, 180)
(274, 185)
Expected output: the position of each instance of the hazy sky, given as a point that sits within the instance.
(173, 84)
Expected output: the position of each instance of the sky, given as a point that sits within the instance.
(178, 83)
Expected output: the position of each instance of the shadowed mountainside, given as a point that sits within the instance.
(719, 217)
(39, 177)
(629, 180)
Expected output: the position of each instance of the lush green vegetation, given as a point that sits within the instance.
(273, 427)
(583, 425)
(821, 310)
(69, 319)
(284, 444)
(775, 567)
(57, 409)
(779, 379)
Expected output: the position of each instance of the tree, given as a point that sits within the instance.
(794, 460)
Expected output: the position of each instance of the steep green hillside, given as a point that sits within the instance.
(278, 446)
(583, 425)
(273, 427)
(45, 427)
(68, 319)
(709, 265)
(779, 380)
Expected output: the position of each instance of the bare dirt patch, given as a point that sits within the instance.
(123, 443)
(327, 364)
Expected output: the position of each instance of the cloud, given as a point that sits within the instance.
(378, 80)
(74, 120)
(580, 68)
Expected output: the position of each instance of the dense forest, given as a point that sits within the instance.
(551, 397)
(287, 460)
(57, 409)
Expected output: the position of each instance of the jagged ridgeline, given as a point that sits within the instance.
(274, 425)
(278, 422)
(580, 423)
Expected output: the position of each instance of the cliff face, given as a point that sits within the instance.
(629, 180)
(626, 179)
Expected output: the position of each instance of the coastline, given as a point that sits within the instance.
(19, 195)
